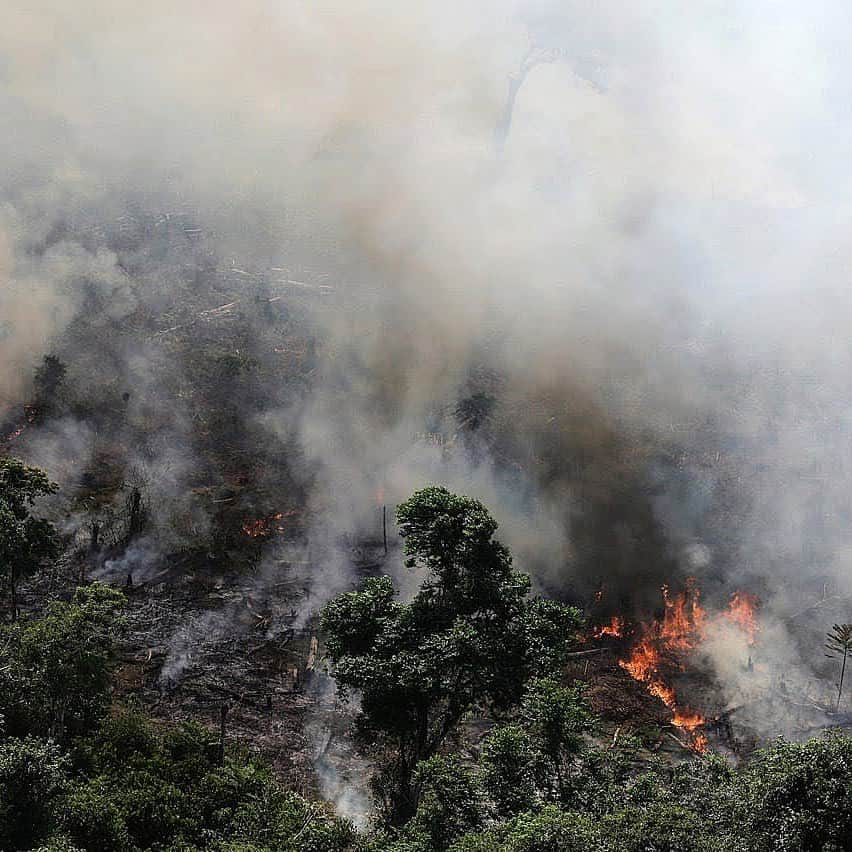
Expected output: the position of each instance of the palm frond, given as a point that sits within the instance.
(839, 639)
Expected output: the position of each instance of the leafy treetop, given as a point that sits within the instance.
(470, 638)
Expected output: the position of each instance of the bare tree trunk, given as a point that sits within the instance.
(13, 589)
(385, 528)
(840, 687)
(223, 715)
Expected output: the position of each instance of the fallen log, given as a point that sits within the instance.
(576, 654)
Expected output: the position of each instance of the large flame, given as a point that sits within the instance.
(663, 644)
(683, 620)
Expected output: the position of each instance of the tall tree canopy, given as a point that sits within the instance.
(25, 540)
(470, 639)
(55, 671)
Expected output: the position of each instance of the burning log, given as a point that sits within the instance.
(615, 628)
(588, 653)
(385, 528)
(312, 654)
(222, 309)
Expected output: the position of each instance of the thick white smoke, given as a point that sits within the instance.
(650, 263)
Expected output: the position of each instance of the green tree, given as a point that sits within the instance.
(547, 755)
(797, 797)
(25, 540)
(32, 775)
(55, 671)
(143, 788)
(557, 720)
(449, 804)
(549, 830)
(469, 639)
(508, 763)
(89, 815)
(839, 644)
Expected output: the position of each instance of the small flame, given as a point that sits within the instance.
(689, 720)
(31, 414)
(615, 628)
(264, 527)
(699, 743)
(742, 611)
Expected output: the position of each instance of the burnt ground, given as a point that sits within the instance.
(201, 640)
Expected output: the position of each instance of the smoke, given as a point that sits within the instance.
(624, 328)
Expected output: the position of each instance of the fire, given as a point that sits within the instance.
(742, 612)
(264, 527)
(661, 646)
(31, 414)
(17, 433)
(684, 619)
(687, 719)
(615, 628)
(643, 662)
(699, 743)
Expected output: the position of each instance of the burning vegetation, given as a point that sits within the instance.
(662, 648)
(270, 525)
(30, 415)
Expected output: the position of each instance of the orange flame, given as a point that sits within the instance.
(615, 628)
(742, 612)
(699, 743)
(660, 647)
(264, 527)
(663, 643)
(31, 414)
(643, 662)
(689, 720)
(684, 619)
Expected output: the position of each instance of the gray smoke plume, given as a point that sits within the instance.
(621, 322)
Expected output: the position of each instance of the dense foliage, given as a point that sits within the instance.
(129, 786)
(75, 776)
(25, 539)
(516, 798)
(55, 670)
(469, 639)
